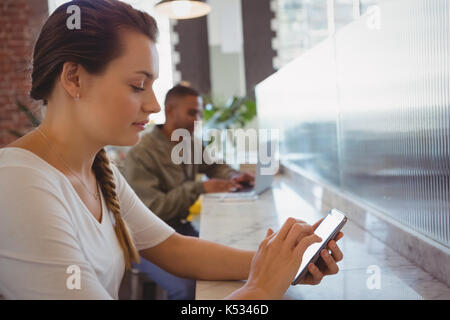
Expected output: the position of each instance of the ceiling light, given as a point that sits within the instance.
(183, 9)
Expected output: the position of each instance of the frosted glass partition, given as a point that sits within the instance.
(288, 101)
(368, 111)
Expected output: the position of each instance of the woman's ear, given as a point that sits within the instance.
(70, 79)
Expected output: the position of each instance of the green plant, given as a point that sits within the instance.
(23, 108)
(235, 113)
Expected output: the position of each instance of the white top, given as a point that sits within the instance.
(47, 233)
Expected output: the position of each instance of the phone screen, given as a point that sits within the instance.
(327, 230)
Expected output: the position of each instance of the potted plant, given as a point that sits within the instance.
(235, 113)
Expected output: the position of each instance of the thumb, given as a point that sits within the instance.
(305, 243)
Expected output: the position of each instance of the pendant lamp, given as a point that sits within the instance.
(183, 9)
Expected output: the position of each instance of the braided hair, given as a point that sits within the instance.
(105, 178)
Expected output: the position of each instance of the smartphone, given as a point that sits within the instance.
(327, 230)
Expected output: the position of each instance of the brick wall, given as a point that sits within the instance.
(20, 23)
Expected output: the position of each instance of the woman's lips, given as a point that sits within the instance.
(140, 125)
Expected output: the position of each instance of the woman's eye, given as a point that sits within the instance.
(137, 89)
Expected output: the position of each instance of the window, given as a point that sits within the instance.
(302, 24)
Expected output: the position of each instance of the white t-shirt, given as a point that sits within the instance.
(47, 233)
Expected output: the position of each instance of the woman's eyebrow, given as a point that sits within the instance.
(148, 75)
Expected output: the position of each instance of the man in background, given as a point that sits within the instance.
(170, 189)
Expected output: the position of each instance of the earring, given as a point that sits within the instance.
(77, 97)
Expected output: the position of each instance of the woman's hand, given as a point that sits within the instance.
(278, 258)
(326, 265)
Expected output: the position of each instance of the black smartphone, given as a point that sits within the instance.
(327, 230)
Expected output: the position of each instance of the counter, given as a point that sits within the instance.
(370, 269)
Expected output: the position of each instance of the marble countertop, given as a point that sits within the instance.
(369, 270)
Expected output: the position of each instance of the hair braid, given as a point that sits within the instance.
(105, 178)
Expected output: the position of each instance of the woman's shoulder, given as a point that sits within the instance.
(21, 148)
(24, 164)
(27, 184)
(27, 142)
(27, 148)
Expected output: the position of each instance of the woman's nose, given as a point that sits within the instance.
(152, 105)
(157, 107)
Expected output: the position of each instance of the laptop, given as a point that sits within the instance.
(262, 183)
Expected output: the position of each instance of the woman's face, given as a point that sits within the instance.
(123, 94)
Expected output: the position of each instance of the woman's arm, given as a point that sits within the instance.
(278, 254)
(195, 258)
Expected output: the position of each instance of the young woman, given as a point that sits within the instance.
(69, 222)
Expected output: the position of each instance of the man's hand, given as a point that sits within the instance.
(244, 178)
(220, 185)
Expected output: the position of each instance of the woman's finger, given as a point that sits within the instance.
(335, 251)
(331, 266)
(339, 236)
(269, 236)
(317, 276)
(305, 243)
(297, 233)
(287, 227)
(315, 225)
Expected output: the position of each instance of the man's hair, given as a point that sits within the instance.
(180, 91)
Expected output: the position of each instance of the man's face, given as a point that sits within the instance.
(188, 109)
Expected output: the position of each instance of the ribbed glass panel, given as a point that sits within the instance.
(368, 111)
(301, 24)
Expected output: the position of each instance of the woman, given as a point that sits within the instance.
(70, 224)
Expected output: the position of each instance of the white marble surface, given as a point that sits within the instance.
(421, 251)
(244, 224)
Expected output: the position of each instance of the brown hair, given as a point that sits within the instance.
(93, 46)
